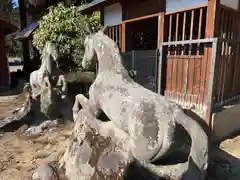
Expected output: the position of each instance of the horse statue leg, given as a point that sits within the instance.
(87, 104)
(33, 83)
(46, 82)
(63, 86)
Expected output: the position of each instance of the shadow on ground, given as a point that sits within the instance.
(222, 166)
(16, 86)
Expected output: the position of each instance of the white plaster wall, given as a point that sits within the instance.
(113, 14)
(174, 5)
(230, 3)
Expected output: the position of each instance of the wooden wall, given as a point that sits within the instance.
(133, 9)
(228, 24)
(186, 24)
(228, 66)
(115, 33)
(186, 66)
(176, 5)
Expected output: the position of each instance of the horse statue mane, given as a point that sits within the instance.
(50, 49)
(105, 50)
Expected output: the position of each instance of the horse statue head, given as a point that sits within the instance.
(106, 51)
(50, 59)
(50, 49)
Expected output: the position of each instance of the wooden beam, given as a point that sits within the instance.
(160, 28)
(170, 28)
(142, 18)
(184, 26)
(200, 23)
(102, 16)
(123, 44)
(25, 44)
(192, 24)
(238, 5)
(160, 38)
(177, 27)
(187, 9)
(212, 30)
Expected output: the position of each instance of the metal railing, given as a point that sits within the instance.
(210, 72)
(144, 63)
(187, 66)
(200, 73)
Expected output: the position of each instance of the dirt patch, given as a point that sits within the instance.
(9, 103)
(19, 157)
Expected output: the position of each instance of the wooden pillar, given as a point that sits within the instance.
(102, 16)
(25, 44)
(4, 68)
(160, 38)
(160, 28)
(212, 30)
(212, 24)
(123, 44)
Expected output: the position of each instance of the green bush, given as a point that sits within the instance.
(13, 47)
(67, 27)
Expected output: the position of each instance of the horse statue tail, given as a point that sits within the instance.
(198, 157)
(196, 166)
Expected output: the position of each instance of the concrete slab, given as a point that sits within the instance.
(226, 122)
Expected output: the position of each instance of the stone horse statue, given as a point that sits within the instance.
(147, 118)
(48, 69)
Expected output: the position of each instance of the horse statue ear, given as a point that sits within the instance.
(104, 29)
(88, 28)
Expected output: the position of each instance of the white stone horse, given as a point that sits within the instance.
(147, 118)
(49, 58)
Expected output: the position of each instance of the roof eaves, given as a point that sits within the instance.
(92, 4)
(7, 27)
(27, 31)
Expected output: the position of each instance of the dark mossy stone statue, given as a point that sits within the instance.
(50, 101)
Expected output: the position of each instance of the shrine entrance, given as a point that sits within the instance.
(142, 34)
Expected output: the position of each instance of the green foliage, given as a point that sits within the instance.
(13, 46)
(66, 27)
(10, 15)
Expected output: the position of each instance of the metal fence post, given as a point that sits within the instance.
(133, 59)
(133, 64)
(156, 71)
(210, 97)
(159, 76)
